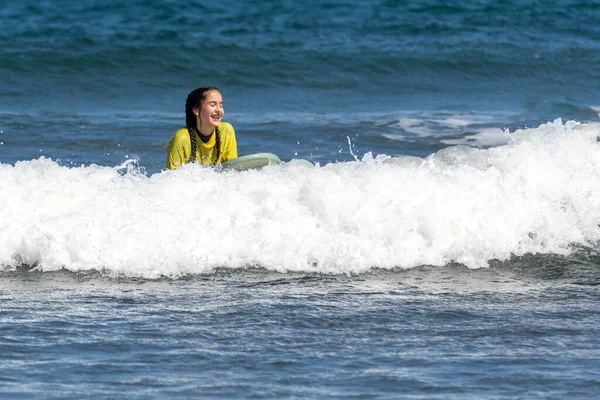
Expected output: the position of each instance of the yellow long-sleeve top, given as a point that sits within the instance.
(179, 150)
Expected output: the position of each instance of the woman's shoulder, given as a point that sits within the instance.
(181, 134)
(226, 127)
(180, 138)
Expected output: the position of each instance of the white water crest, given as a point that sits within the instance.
(540, 193)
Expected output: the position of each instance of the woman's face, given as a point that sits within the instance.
(210, 112)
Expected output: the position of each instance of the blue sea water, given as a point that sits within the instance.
(444, 243)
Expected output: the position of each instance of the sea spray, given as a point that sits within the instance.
(540, 193)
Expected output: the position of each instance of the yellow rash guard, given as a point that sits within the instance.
(179, 150)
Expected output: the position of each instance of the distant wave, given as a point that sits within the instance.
(357, 45)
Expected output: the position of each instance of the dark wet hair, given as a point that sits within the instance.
(194, 100)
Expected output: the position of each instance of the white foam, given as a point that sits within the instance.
(413, 126)
(396, 138)
(427, 125)
(460, 120)
(457, 122)
(484, 138)
(538, 193)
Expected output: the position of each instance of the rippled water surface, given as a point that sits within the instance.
(443, 243)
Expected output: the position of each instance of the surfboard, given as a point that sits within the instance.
(251, 161)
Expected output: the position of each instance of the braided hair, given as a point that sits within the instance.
(194, 100)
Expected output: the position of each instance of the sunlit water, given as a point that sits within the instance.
(442, 243)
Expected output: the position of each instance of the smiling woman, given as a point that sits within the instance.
(205, 137)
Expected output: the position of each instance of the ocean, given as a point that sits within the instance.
(443, 243)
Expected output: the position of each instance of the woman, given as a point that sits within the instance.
(205, 138)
